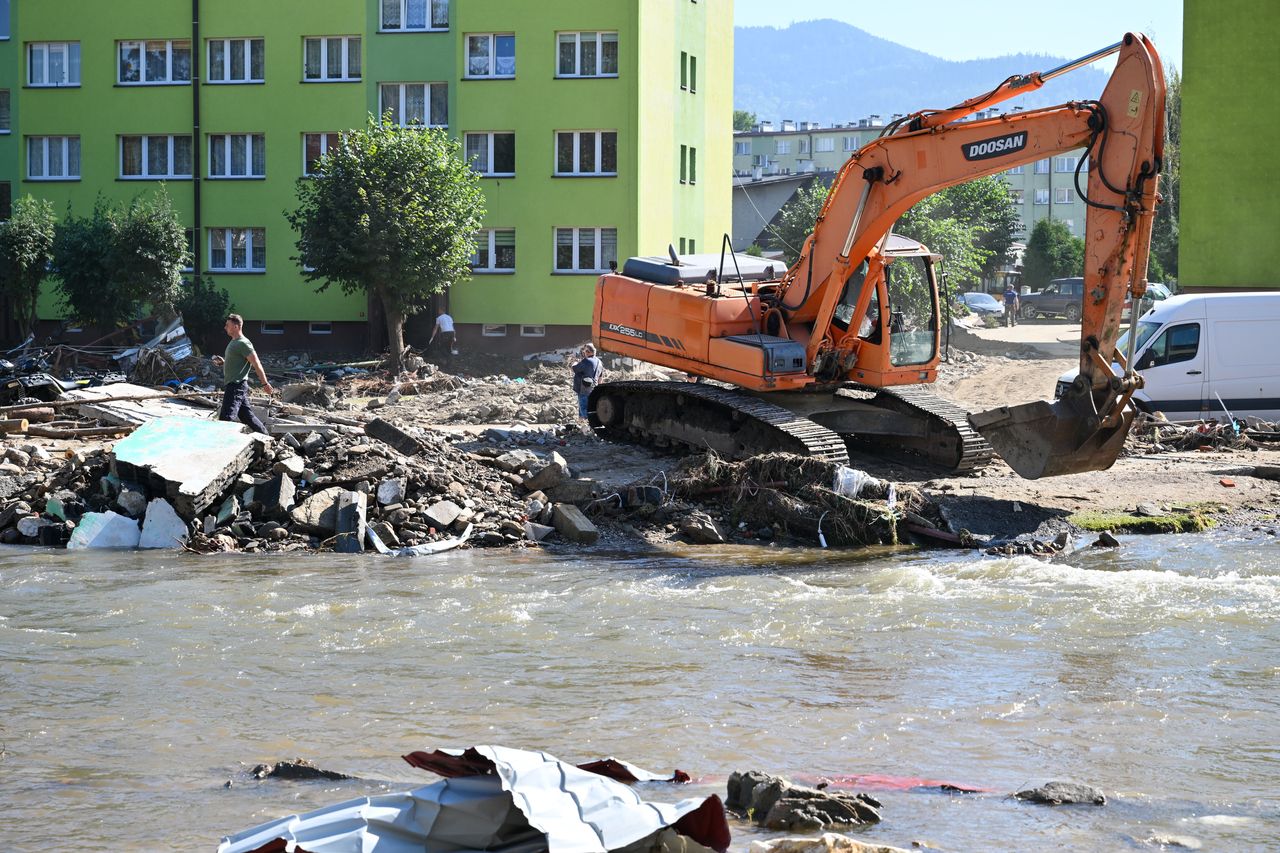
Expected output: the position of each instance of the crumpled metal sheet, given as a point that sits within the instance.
(529, 801)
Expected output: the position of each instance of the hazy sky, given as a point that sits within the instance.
(956, 29)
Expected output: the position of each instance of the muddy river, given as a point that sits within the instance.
(133, 688)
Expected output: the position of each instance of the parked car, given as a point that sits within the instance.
(1156, 292)
(983, 304)
(1061, 298)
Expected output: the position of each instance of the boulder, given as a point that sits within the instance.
(132, 503)
(1063, 793)
(441, 514)
(573, 525)
(162, 528)
(701, 528)
(581, 491)
(291, 466)
(276, 496)
(537, 532)
(29, 526)
(553, 473)
(105, 530)
(828, 842)
(391, 491)
(318, 514)
(776, 804)
(386, 533)
(351, 522)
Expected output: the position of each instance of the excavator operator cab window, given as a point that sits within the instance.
(848, 303)
(913, 310)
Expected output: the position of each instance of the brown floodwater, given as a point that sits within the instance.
(133, 687)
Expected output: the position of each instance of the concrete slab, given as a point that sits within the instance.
(351, 522)
(105, 530)
(190, 462)
(161, 528)
(133, 413)
(572, 524)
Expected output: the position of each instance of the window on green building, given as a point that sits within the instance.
(153, 63)
(492, 154)
(155, 157)
(586, 152)
(53, 63)
(491, 55)
(238, 249)
(53, 158)
(495, 251)
(587, 54)
(315, 146)
(415, 104)
(331, 59)
(237, 155)
(586, 250)
(4, 23)
(236, 61)
(5, 117)
(412, 15)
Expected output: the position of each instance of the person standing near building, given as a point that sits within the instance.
(1011, 305)
(586, 375)
(240, 358)
(444, 329)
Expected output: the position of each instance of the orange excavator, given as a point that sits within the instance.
(842, 345)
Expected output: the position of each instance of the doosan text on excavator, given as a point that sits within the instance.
(842, 346)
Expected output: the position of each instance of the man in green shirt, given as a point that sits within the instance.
(236, 364)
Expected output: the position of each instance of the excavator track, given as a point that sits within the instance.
(951, 442)
(704, 416)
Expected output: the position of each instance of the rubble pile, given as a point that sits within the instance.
(1153, 434)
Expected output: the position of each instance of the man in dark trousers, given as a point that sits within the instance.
(586, 375)
(236, 364)
(444, 329)
(1011, 305)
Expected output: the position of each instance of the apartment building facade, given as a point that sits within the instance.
(1042, 190)
(599, 128)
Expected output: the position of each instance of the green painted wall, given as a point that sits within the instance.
(1230, 123)
(645, 104)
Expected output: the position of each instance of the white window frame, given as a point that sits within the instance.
(141, 45)
(68, 49)
(318, 327)
(227, 79)
(600, 39)
(533, 330)
(489, 136)
(491, 73)
(804, 146)
(1041, 196)
(226, 259)
(228, 141)
(267, 327)
(346, 76)
(577, 154)
(824, 145)
(46, 143)
(1063, 195)
(325, 146)
(493, 330)
(6, 112)
(741, 149)
(490, 236)
(437, 11)
(595, 235)
(1018, 197)
(1015, 170)
(146, 141)
(784, 146)
(1065, 164)
(849, 143)
(401, 89)
(1041, 167)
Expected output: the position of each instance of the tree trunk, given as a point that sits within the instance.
(395, 331)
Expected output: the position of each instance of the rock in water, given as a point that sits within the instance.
(1063, 793)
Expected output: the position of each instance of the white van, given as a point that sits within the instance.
(1195, 348)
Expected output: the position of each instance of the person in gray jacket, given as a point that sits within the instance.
(586, 375)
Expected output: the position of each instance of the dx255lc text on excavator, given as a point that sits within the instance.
(843, 344)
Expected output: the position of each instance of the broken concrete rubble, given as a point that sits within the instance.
(105, 530)
(213, 453)
(162, 528)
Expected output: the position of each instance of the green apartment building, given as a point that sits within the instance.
(601, 128)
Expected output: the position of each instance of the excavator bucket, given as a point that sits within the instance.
(1044, 439)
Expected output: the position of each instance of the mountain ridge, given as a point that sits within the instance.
(876, 76)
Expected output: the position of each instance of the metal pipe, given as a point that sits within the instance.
(1087, 59)
(195, 142)
(853, 226)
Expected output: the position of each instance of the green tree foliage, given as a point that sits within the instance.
(204, 312)
(119, 259)
(797, 219)
(1052, 252)
(1164, 232)
(392, 212)
(743, 120)
(755, 251)
(26, 250)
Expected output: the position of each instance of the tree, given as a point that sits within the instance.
(931, 222)
(1164, 231)
(204, 310)
(984, 205)
(797, 219)
(391, 212)
(26, 251)
(1052, 252)
(118, 260)
(743, 120)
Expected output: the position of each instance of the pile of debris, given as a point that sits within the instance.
(1154, 434)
